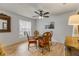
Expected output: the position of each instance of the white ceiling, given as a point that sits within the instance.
(27, 9)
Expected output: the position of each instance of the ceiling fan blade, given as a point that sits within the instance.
(37, 13)
(46, 13)
(45, 16)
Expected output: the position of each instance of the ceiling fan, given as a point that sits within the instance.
(41, 13)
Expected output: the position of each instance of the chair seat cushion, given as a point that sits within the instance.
(32, 41)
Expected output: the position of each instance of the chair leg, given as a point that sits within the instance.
(43, 53)
(49, 47)
(28, 46)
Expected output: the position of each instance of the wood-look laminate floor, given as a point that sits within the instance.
(57, 49)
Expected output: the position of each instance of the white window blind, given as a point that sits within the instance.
(25, 27)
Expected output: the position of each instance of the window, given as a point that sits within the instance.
(25, 27)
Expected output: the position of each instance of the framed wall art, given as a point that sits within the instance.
(51, 25)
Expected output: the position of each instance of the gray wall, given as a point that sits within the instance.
(13, 36)
(62, 29)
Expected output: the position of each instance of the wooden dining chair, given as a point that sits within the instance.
(31, 40)
(49, 34)
(36, 34)
(44, 41)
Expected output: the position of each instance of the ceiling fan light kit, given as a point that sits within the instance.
(40, 17)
